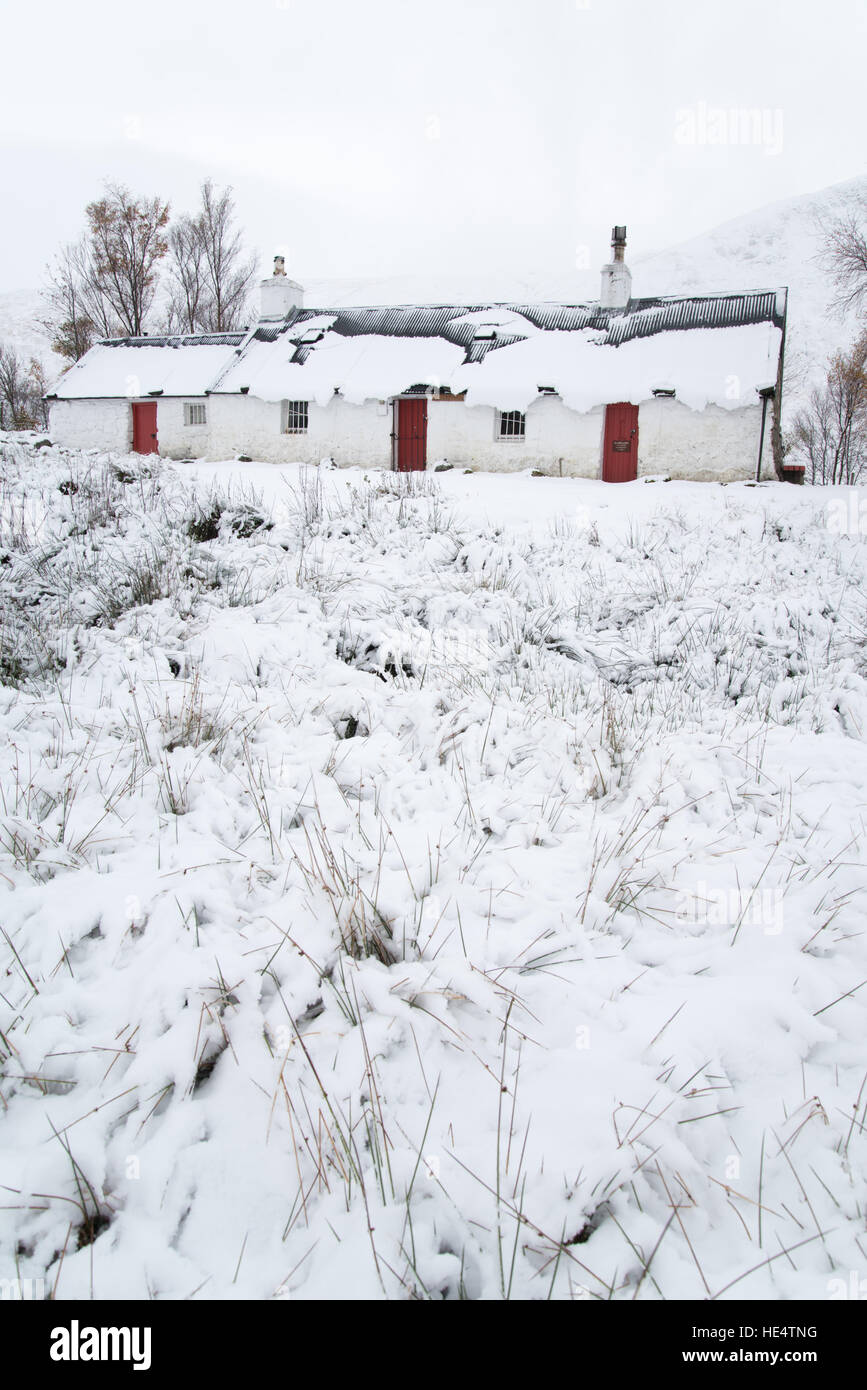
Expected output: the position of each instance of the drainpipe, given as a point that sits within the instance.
(767, 394)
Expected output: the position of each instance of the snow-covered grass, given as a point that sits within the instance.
(428, 887)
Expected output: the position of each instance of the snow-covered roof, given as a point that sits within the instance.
(180, 366)
(711, 348)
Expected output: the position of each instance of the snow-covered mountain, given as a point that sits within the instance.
(776, 245)
(21, 312)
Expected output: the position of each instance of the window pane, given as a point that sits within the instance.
(296, 417)
(511, 424)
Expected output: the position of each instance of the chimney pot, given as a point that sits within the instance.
(278, 294)
(616, 290)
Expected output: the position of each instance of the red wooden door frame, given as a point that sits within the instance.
(620, 444)
(144, 427)
(410, 432)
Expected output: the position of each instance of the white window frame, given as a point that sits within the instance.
(511, 436)
(195, 413)
(295, 417)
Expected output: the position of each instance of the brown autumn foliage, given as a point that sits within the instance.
(126, 240)
(68, 318)
(104, 285)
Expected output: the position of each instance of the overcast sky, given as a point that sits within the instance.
(383, 137)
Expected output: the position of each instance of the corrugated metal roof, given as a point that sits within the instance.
(475, 329)
(178, 340)
(640, 319)
(647, 316)
(478, 348)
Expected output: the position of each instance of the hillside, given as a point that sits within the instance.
(776, 245)
(20, 328)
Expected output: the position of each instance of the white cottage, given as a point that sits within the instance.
(614, 389)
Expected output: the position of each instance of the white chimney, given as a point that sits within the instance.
(279, 294)
(616, 276)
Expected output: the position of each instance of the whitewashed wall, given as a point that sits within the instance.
(107, 424)
(350, 434)
(708, 445)
(555, 439)
(712, 445)
(235, 425)
(175, 440)
(84, 424)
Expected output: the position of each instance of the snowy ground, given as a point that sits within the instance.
(440, 887)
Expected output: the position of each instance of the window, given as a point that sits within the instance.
(295, 417)
(194, 413)
(510, 424)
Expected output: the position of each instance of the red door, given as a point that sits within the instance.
(620, 449)
(144, 428)
(411, 434)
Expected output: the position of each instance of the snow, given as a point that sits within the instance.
(779, 244)
(140, 371)
(21, 328)
(720, 366)
(367, 367)
(421, 870)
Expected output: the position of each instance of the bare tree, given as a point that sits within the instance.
(68, 318)
(186, 277)
(125, 242)
(844, 254)
(211, 274)
(21, 390)
(104, 285)
(230, 270)
(830, 434)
